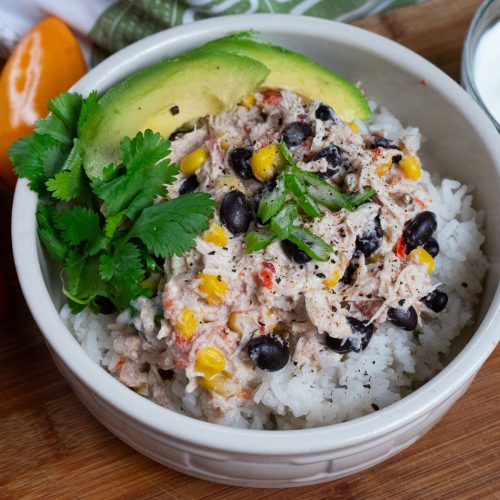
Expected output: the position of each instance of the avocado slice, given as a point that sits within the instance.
(298, 73)
(165, 96)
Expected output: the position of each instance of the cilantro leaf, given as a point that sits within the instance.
(67, 106)
(83, 281)
(78, 225)
(69, 184)
(89, 106)
(123, 270)
(138, 188)
(49, 236)
(144, 150)
(37, 157)
(61, 123)
(169, 228)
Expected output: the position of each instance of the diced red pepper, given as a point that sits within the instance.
(272, 97)
(119, 363)
(269, 265)
(400, 249)
(419, 202)
(265, 279)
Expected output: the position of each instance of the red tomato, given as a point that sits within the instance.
(400, 249)
(265, 279)
(272, 97)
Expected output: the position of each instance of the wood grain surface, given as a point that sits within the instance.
(51, 447)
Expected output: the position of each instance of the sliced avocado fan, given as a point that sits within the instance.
(207, 81)
(296, 72)
(165, 96)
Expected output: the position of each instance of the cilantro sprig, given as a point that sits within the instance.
(296, 189)
(110, 233)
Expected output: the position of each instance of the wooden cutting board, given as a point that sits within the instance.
(51, 447)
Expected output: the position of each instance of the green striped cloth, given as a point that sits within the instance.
(127, 21)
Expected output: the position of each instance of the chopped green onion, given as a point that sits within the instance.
(299, 191)
(360, 197)
(323, 192)
(282, 222)
(258, 240)
(272, 201)
(287, 155)
(309, 243)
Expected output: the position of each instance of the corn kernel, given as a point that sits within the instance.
(333, 279)
(383, 168)
(354, 127)
(420, 256)
(231, 181)
(410, 165)
(187, 323)
(229, 141)
(216, 234)
(193, 161)
(234, 322)
(216, 384)
(248, 101)
(375, 258)
(209, 362)
(212, 288)
(265, 162)
(143, 390)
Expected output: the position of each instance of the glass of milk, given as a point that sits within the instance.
(481, 59)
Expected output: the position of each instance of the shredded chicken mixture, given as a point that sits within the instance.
(218, 298)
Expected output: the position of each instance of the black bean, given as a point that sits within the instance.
(419, 230)
(269, 352)
(235, 212)
(431, 246)
(407, 319)
(292, 251)
(296, 133)
(166, 374)
(349, 272)
(104, 305)
(362, 334)
(189, 185)
(334, 156)
(239, 159)
(368, 242)
(382, 142)
(436, 301)
(325, 112)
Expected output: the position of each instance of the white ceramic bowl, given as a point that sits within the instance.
(461, 143)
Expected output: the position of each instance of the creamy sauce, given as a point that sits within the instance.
(487, 70)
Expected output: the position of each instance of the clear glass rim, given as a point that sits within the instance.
(467, 63)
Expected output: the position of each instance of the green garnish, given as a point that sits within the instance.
(272, 201)
(304, 190)
(107, 232)
(258, 239)
(309, 243)
(282, 223)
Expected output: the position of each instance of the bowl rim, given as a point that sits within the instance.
(209, 436)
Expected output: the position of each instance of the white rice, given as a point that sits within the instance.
(394, 363)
